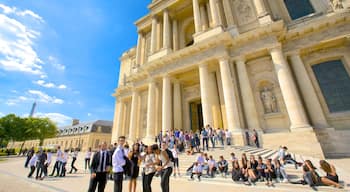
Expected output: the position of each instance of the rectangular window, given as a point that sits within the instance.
(298, 8)
(334, 82)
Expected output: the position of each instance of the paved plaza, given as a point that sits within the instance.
(13, 177)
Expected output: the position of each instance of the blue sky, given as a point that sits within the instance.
(65, 55)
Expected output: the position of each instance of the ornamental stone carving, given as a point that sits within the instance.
(268, 100)
(244, 10)
(337, 4)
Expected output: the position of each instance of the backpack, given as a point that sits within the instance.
(170, 155)
(204, 133)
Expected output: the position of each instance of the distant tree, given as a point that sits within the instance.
(16, 128)
(41, 128)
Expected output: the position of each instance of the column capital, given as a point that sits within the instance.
(293, 53)
(240, 59)
(277, 47)
(202, 65)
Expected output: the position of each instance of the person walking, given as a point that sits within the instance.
(74, 156)
(64, 161)
(134, 157)
(32, 162)
(87, 158)
(118, 162)
(41, 164)
(57, 165)
(149, 167)
(30, 154)
(166, 168)
(100, 166)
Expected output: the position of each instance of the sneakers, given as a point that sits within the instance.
(285, 181)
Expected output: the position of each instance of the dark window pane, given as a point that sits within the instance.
(334, 82)
(299, 8)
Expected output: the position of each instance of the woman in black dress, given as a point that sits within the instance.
(134, 156)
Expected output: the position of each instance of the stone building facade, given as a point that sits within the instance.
(278, 66)
(77, 135)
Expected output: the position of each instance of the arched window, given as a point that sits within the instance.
(299, 8)
(334, 82)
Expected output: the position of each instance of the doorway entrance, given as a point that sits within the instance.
(196, 115)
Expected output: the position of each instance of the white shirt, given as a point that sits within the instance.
(197, 169)
(59, 155)
(118, 160)
(200, 160)
(64, 159)
(49, 157)
(33, 160)
(88, 155)
(175, 153)
(211, 163)
(228, 134)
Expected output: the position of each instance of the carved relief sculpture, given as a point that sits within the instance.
(337, 4)
(269, 101)
(244, 10)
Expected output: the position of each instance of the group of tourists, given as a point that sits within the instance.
(252, 170)
(149, 161)
(200, 140)
(41, 160)
(120, 161)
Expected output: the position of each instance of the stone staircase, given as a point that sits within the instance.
(294, 174)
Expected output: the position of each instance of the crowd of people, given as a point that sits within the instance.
(120, 161)
(41, 160)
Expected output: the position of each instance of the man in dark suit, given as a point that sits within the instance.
(100, 166)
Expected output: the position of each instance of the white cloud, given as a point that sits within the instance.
(49, 85)
(34, 95)
(58, 118)
(55, 63)
(89, 114)
(13, 10)
(62, 86)
(16, 43)
(45, 98)
(2, 114)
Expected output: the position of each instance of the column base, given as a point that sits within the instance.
(264, 20)
(238, 137)
(198, 37)
(148, 140)
(297, 128)
(233, 30)
(301, 142)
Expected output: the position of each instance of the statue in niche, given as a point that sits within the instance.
(337, 4)
(244, 9)
(269, 101)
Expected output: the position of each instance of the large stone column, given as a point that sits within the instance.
(214, 13)
(177, 104)
(139, 48)
(133, 115)
(154, 35)
(166, 105)
(204, 17)
(205, 94)
(228, 13)
(231, 105)
(231, 102)
(313, 105)
(175, 35)
(291, 98)
(262, 12)
(247, 95)
(166, 30)
(143, 49)
(117, 121)
(151, 113)
(196, 16)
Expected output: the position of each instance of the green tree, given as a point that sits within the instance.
(41, 128)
